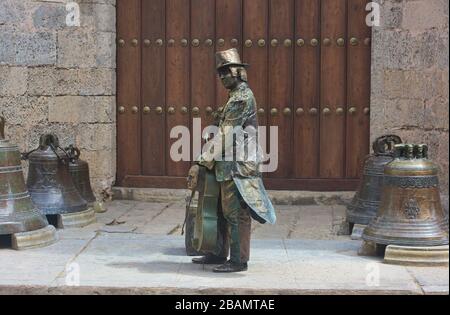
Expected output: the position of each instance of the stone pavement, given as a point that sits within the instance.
(136, 248)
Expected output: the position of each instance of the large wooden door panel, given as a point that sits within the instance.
(309, 70)
(177, 78)
(281, 31)
(333, 89)
(128, 89)
(153, 71)
(358, 92)
(307, 89)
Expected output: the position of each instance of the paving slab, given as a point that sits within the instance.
(432, 280)
(38, 266)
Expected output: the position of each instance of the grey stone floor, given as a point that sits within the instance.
(136, 248)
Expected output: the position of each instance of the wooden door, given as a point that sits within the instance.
(309, 69)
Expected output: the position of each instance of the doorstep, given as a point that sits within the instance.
(277, 196)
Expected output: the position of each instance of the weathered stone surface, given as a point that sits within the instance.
(423, 15)
(401, 113)
(82, 109)
(51, 81)
(100, 16)
(76, 48)
(391, 14)
(408, 84)
(95, 137)
(106, 50)
(7, 47)
(410, 93)
(60, 79)
(24, 110)
(436, 113)
(14, 80)
(100, 161)
(36, 49)
(12, 12)
(49, 15)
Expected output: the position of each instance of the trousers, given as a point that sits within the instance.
(234, 224)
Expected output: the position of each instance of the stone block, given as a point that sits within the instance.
(35, 49)
(403, 113)
(376, 116)
(391, 14)
(14, 81)
(423, 15)
(24, 110)
(442, 51)
(43, 81)
(101, 17)
(7, 47)
(82, 109)
(12, 12)
(436, 113)
(76, 48)
(50, 16)
(105, 50)
(408, 84)
(96, 137)
(100, 163)
(403, 50)
(83, 82)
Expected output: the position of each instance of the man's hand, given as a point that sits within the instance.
(193, 177)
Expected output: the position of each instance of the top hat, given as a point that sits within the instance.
(229, 57)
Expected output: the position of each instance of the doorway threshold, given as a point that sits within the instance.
(278, 197)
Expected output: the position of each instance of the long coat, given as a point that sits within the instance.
(242, 167)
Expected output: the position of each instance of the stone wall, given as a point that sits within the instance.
(61, 79)
(410, 76)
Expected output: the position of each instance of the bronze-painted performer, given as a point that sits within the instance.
(242, 192)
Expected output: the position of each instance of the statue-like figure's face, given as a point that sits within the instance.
(229, 81)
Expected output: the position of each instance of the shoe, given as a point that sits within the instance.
(231, 267)
(209, 260)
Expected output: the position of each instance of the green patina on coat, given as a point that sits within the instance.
(240, 111)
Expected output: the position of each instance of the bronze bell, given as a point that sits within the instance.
(410, 212)
(366, 201)
(49, 181)
(17, 212)
(79, 170)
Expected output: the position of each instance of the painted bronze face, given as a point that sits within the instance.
(229, 80)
